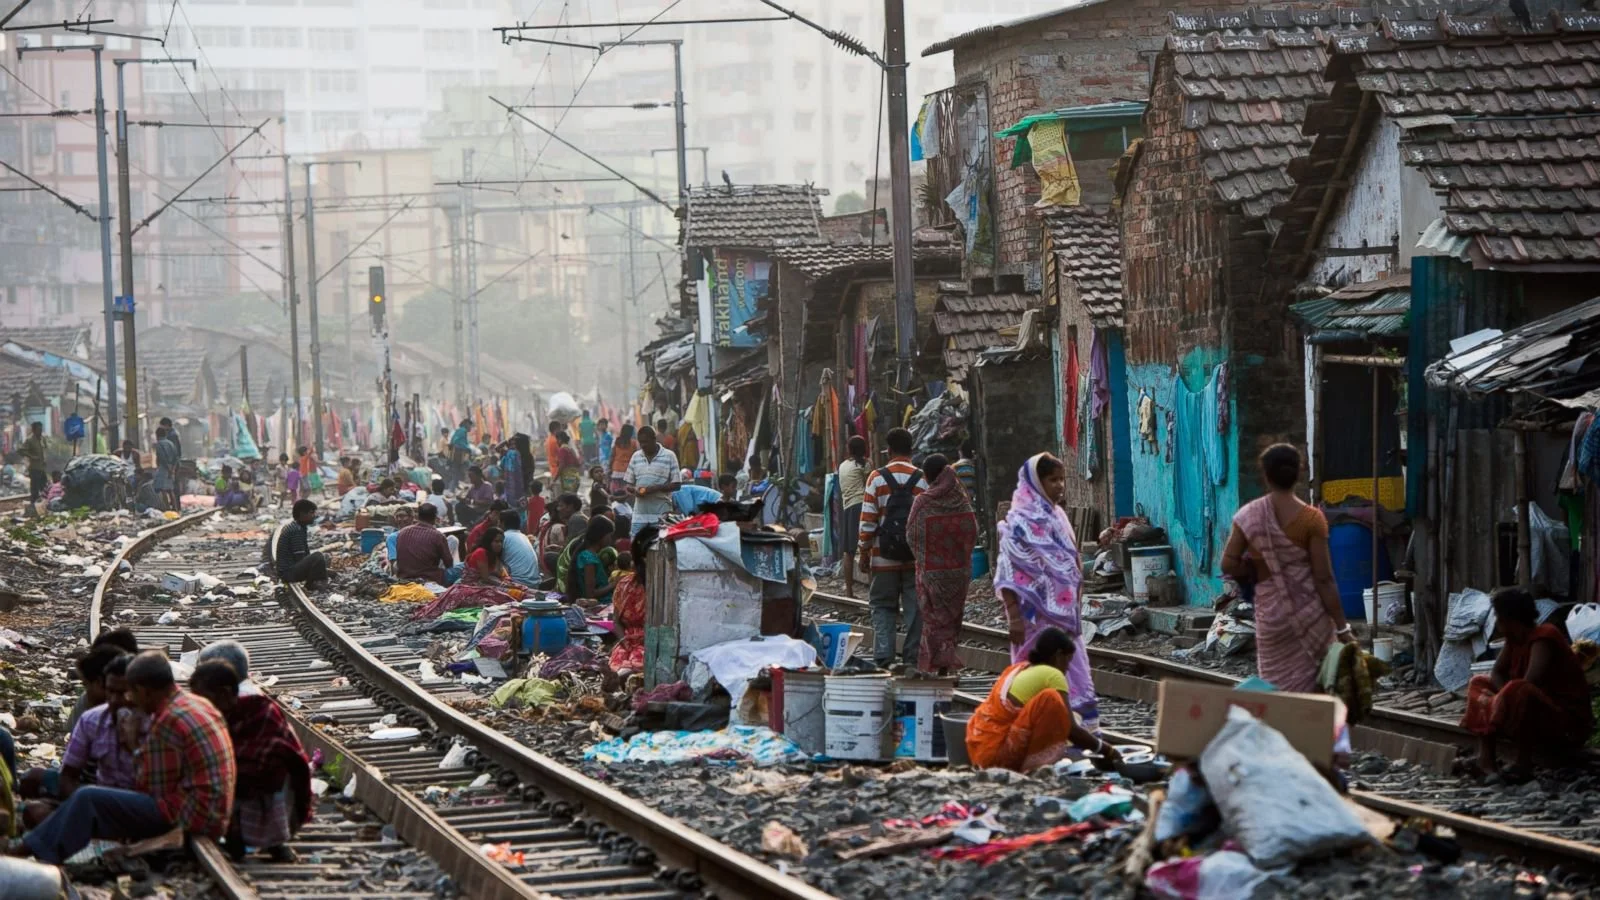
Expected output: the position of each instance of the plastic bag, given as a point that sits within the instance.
(1112, 802)
(1272, 801)
(1468, 610)
(1583, 621)
(1223, 875)
(1188, 809)
(562, 407)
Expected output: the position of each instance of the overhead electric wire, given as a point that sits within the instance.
(585, 154)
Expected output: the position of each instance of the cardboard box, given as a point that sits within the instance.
(179, 583)
(1190, 714)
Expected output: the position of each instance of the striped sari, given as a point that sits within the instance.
(1293, 630)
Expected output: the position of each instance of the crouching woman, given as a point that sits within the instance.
(1026, 722)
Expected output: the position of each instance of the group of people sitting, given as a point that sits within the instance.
(149, 760)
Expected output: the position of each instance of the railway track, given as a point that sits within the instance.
(339, 681)
(1487, 822)
(13, 503)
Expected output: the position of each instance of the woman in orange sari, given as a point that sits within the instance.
(628, 607)
(1298, 615)
(1026, 723)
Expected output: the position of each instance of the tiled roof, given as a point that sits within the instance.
(753, 216)
(1247, 78)
(17, 377)
(174, 370)
(1502, 121)
(970, 323)
(818, 259)
(1087, 243)
(61, 340)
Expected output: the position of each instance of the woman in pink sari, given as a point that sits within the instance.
(1037, 575)
(1298, 615)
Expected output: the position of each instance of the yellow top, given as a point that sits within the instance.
(1035, 680)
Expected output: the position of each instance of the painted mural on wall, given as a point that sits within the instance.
(738, 282)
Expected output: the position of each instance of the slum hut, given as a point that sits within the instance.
(1497, 119)
(1072, 152)
(835, 328)
(728, 235)
(1546, 374)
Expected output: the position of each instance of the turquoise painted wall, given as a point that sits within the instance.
(1154, 477)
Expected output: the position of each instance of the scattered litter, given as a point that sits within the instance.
(456, 757)
(1109, 801)
(1271, 799)
(1223, 875)
(502, 853)
(168, 617)
(780, 839)
(761, 746)
(396, 734)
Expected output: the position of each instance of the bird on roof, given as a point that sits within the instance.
(727, 180)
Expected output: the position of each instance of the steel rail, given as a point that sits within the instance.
(727, 871)
(130, 551)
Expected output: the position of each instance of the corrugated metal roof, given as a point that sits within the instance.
(1095, 115)
(1438, 238)
(1331, 318)
(1552, 358)
(998, 27)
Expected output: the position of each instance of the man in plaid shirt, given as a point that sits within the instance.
(185, 774)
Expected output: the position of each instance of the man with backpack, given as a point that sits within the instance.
(886, 550)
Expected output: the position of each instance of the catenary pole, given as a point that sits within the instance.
(905, 300)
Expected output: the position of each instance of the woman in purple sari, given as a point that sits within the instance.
(1038, 575)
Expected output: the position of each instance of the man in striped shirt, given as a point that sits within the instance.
(885, 507)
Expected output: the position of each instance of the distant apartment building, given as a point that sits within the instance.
(353, 73)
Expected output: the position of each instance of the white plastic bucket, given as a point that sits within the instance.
(1145, 563)
(1383, 649)
(803, 719)
(917, 705)
(1391, 603)
(857, 724)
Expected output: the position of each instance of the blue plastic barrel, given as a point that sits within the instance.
(1350, 545)
(370, 539)
(544, 632)
(980, 562)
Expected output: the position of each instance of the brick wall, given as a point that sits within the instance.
(1091, 55)
(1015, 418)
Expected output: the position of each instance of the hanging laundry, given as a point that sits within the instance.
(1058, 178)
(1099, 375)
(1069, 385)
(1148, 442)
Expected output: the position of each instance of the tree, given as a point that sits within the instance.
(849, 202)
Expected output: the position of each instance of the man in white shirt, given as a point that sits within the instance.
(651, 477)
(520, 560)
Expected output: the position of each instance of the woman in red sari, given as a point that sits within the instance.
(942, 531)
(1298, 615)
(1536, 697)
(272, 794)
(628, 607)
(1026, 722)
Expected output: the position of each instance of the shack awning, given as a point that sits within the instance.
(1553, 359)
(1358, 312)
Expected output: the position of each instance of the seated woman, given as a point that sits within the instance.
(230, 494)
(1536, 697)
(628, 607)
(272, 793)
(484, 580)
(588, 581)
(1026, 722)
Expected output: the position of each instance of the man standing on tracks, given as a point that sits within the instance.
(33, 452)
(184, 777)
(886, 550)
(651, 477)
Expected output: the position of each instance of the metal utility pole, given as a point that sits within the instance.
(905, 294)
(623, 303)
(130, 346)
(469, 232)
(311, 281)
(292, 297)
(680, 125)
(341, 246)
(458, 371)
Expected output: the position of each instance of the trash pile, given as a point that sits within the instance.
(85, 479)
